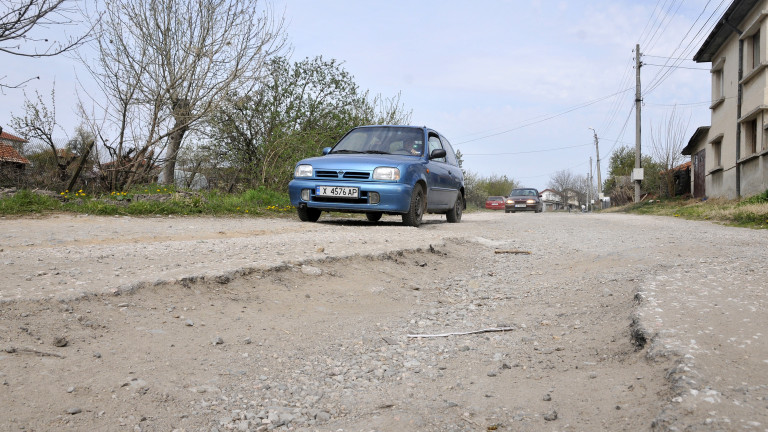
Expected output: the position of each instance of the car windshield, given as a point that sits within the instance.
(382, 140)
(495, 198)
(523, 192)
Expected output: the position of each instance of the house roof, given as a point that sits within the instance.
(9, 137)
(9, 154)
(697, 136)
(737, 11)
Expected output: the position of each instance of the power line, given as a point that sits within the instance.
(676, 67)
(664, 74)
(527, 151)
(550, 117)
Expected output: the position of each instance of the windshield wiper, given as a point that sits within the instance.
(345, 151)
(375, 152)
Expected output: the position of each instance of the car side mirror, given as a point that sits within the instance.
(437, 154)
(326, 150)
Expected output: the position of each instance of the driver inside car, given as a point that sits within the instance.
(415, 148)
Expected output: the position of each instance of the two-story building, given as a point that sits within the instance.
(730, 156)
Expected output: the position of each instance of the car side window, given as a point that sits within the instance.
(435, 144)
(450, 154)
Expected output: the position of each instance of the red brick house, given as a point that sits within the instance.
(8, 154)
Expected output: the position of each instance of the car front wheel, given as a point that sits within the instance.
(416, 211)
(373, 217)
(454, 214)
(307, 214)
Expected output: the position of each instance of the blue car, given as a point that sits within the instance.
(381, 169)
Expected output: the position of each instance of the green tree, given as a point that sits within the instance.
(477, 188)
(620, 166)
(299, 109)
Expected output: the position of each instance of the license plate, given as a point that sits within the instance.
(519, 205)
(338, 191)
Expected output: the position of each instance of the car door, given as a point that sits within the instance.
(440, 194)
(456, 175)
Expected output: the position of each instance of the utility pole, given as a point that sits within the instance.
(638, 172)
(589, 187)
(599, 180)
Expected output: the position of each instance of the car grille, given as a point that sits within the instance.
(362, 200)
(351, 175)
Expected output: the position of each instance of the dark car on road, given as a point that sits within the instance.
(377, 170)
(523, 199)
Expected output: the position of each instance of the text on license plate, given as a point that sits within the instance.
(338, 191)
(519, 205)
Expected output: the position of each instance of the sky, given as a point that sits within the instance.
(520, 87)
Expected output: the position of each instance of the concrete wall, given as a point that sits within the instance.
(728, 122)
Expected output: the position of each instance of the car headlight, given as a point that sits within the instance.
(386, 173)
(531, 201)
(303, 171)
(509, 201)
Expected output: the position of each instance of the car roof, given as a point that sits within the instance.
(423, 128)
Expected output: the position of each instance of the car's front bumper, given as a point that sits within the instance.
(521, 207)
(393, 197)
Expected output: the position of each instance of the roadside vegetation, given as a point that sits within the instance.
(148, 201)
(749, 212)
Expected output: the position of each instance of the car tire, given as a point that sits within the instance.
(416, 210)
(454, 215)
(374, 217)
(307, 214)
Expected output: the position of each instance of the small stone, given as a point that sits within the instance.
(311, 271)
(492, 373)
(247, 341)
(189, 323)
(71, 390)
(60, 341)
(547, 397)
(74, 411)
(218, 340)
(97, 354)
(550, 416)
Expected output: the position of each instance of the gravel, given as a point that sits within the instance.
(612, 322)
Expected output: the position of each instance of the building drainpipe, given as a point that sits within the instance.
(738, 116)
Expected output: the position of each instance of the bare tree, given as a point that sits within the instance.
(21, 22)
(667, 142)
(564, 183)
(39, 123)
(169, 63)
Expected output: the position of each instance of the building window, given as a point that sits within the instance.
(716, 153)
(718, 82)
(717, 85)
(764, 146)
(750, 137)
(755, 50)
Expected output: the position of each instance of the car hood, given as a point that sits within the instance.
(359, 161)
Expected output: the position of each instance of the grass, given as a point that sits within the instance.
(750, 212)
(150, 200)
